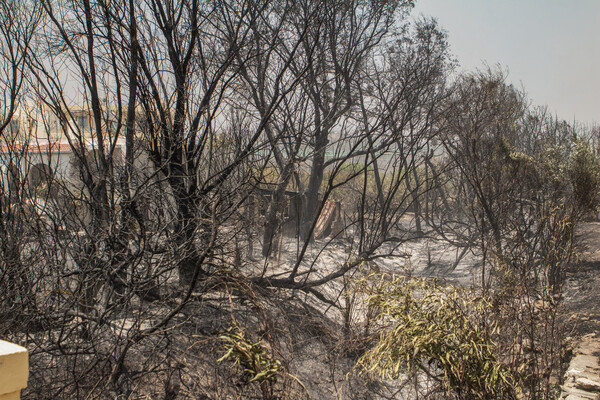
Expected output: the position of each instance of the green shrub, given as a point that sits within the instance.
(424, 324)
(255, 361)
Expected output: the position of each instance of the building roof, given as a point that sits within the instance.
(52, 147)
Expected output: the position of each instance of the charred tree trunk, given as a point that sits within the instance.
(273, 221)
(317, 170)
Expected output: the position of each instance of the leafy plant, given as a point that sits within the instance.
(254, 359)
(439, 330)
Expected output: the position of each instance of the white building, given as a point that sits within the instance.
(38, 147)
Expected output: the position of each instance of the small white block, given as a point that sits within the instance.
(14, 370)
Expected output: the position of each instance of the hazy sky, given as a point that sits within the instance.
(552, 47)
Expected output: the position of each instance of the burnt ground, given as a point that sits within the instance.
(310, 342)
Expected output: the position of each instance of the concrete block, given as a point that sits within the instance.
(14, 370)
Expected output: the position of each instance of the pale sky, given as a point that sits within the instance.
(551, 47)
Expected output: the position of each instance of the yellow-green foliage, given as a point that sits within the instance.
(423, 323)
(256, 362)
